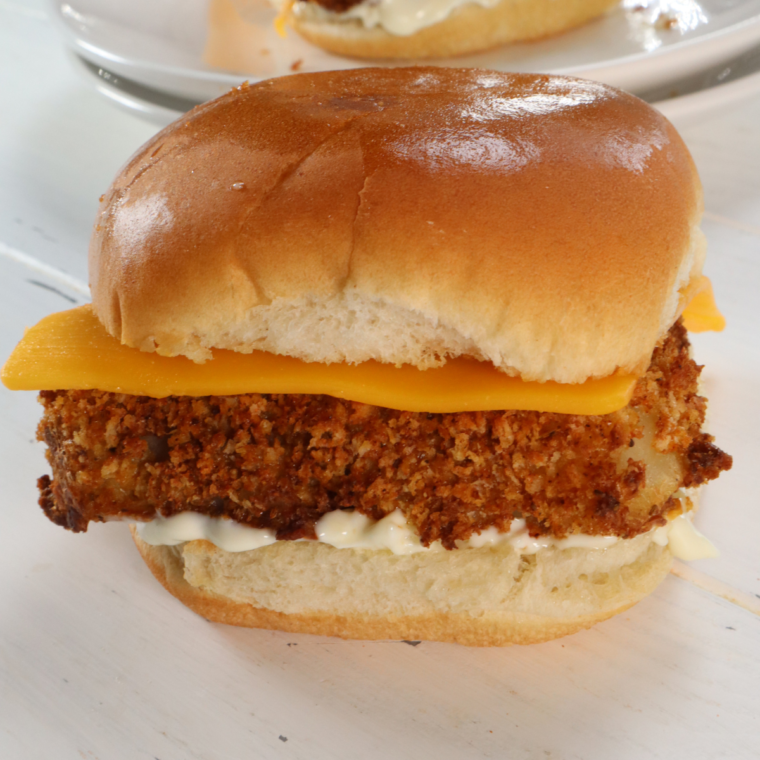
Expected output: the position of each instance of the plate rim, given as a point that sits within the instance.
(748, 29)
(680, 107)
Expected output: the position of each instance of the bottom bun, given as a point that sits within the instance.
(471, 28)
(477, 597)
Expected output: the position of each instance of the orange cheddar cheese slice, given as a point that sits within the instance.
(281, 22)
(701, 314)
(71, 350)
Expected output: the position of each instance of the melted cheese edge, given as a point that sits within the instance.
(702, 314)
(71, 350)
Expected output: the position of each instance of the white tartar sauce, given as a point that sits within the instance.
(401, 17)
(353, 530)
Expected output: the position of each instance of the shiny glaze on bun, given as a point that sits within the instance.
(546, 224)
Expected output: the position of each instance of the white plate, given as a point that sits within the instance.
(708, 93)
(683, 102)
(159, 43)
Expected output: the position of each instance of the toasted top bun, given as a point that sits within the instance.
(545, 224)
(471, 27)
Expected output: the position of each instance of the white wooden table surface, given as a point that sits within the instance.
(97, 661)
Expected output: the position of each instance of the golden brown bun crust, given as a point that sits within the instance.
(494, 627)
(544, 224)
(469, 29)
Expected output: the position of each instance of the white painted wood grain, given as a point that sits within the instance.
(110, 664)
(97, 661)
(102, 663)
(60, 144)
(729, 506)
(726, 154)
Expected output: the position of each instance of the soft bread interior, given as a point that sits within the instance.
(353, 327)
(347, 327)
(485, 597)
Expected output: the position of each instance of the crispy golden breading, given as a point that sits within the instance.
(282, 461)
